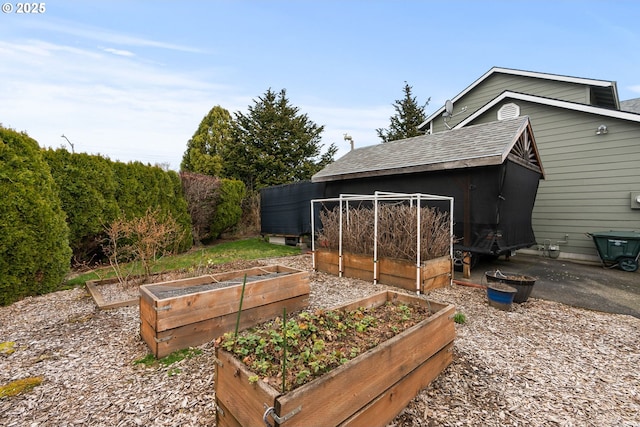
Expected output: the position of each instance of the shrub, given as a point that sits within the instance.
(142, 239)
(95, 191)
(229, 209)
(87, 189)
(140, 187)
(201, 193)
(34, 237)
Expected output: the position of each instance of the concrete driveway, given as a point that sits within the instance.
(581, 285)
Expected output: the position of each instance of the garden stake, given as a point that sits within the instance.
(284, 357)
(235, 336)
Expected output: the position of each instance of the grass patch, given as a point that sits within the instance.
(247, 249)
(150, 361)
(460, 318)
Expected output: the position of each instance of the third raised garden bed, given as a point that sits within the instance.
(368, 390)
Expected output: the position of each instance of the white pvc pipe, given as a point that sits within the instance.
(313, 239)
(375, 238)
(418, 260)
(340, 243)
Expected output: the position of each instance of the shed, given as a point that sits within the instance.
(284, 209)
(491, 170)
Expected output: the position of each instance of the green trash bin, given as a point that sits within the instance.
(618, 248)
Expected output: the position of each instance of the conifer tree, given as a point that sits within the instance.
(409, 115)
(206, 146)
(275, 144)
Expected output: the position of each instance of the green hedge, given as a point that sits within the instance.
(34, 237)
(88, 193)
(95, 191)
(140, 187)
(229, 208)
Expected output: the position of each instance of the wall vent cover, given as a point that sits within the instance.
(509, 111)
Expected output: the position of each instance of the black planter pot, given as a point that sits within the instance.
(523, 284)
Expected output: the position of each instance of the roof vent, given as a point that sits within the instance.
(508, 111)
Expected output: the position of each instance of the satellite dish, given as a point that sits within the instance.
(448, 107)
(448, 112)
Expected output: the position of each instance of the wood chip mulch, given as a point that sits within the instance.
(541, 364)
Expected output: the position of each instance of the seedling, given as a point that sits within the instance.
(460, 318)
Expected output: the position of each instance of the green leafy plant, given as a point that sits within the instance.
(289, 352)
(460, 318)
(34, 236)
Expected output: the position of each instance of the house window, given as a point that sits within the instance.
(508, 111)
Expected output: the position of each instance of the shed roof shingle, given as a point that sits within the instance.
(478, 145)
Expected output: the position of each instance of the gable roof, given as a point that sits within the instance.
(472, 146)
(604, 90)
(631, 105)
(606, 112)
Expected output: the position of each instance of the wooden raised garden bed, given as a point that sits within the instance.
(95, 288)
(369, 390)
(190, 312)
(435, 273)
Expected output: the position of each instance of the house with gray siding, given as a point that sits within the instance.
(588, 141)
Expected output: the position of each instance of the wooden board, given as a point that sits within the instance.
(192, 308)
(382, 410)
(375, 370)
(247, 401)
(166, 342)
(93, 286)
(435, 273)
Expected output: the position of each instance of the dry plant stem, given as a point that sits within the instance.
(284, 350)
(141, 239)
(397, 231)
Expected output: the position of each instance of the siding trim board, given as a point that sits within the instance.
(508, 95)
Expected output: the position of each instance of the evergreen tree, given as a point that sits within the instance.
(274, 144)
(409, 115)
(205, 148)
(87, 190)
(34, 237)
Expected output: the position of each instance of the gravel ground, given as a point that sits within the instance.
(541, 364)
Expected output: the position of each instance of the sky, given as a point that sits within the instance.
(131, 80)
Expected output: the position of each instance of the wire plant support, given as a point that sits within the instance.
(413, 199)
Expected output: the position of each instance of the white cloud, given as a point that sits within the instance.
(105, 36)
(635, 88)
(119, 52)
(127, 107)
(108, 104)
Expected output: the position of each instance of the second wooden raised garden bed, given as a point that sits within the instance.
(435, 273)
(190, 312)
(369, 390)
